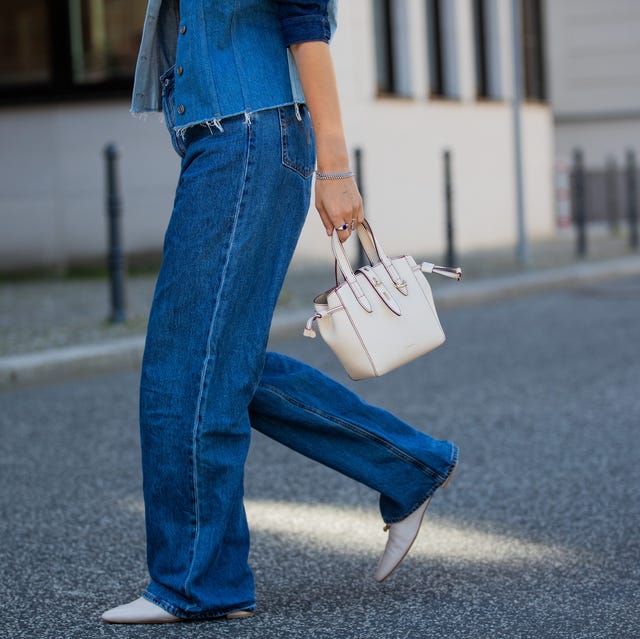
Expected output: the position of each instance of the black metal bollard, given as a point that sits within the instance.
(613, 209)
(579, 203)
(632, 199)
(450, 257)
(362, 258)
(115, 259)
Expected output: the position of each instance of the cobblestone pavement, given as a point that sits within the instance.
(44, 314)
(536, 537)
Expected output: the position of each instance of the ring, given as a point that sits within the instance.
(344, 227)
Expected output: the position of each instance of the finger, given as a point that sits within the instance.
(336, 222)
(343, 233)
(358, 212)
(326, 221)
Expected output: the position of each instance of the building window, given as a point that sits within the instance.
(487, 45)
(532, 50)
(53, 50)
(442, 51)
(392, 47)
(24, 42)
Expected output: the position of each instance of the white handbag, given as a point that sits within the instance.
(382, 315)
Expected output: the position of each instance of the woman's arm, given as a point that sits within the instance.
(337, 201)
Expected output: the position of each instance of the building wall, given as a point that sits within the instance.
(594, 76)
(403, 141)
(52, 194)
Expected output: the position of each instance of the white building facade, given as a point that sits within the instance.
(594, 77)
(416, 77)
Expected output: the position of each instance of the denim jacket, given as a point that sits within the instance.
(228, 57)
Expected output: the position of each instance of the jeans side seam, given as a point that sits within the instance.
(207, 361)
(426, 469)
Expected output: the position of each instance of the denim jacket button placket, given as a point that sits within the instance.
(167, 33)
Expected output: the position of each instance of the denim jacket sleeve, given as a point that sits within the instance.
(304, 20)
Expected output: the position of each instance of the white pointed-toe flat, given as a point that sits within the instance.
(139, 611)
(402, 534)
(144, 611)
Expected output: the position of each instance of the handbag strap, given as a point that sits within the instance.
(448, 271)
(344, 266)
(373, 250)
(376, 255)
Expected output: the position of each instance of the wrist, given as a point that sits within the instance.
(332, 155)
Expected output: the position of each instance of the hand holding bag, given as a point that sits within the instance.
(382, 315)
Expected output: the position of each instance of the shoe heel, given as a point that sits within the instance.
(239, 614)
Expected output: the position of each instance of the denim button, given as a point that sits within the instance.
(183, 29)
(166, 82)
(181, 109)
(179, 70)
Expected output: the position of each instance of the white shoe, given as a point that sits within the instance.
(143, 611)
(139, 611)
(402, 534)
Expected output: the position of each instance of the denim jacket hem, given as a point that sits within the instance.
(217, 122)
(230, 57)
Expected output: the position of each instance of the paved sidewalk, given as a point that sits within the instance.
(55, 328)
(535, 538)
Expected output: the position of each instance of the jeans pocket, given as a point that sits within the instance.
(168, 109)
(298, 143)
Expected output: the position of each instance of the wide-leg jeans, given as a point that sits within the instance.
(240, 204)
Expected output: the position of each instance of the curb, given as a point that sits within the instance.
(59, 363)
(126, 353)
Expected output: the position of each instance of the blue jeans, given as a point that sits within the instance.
(207, 379)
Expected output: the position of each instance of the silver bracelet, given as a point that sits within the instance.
(334, 176)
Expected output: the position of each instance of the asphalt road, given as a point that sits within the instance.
(537, 536)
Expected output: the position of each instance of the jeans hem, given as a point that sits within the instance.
(450, 468)
(178, 612)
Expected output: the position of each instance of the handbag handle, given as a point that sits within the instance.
(373, 249)
(344, 265)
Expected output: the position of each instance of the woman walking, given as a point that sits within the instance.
(249, 95)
